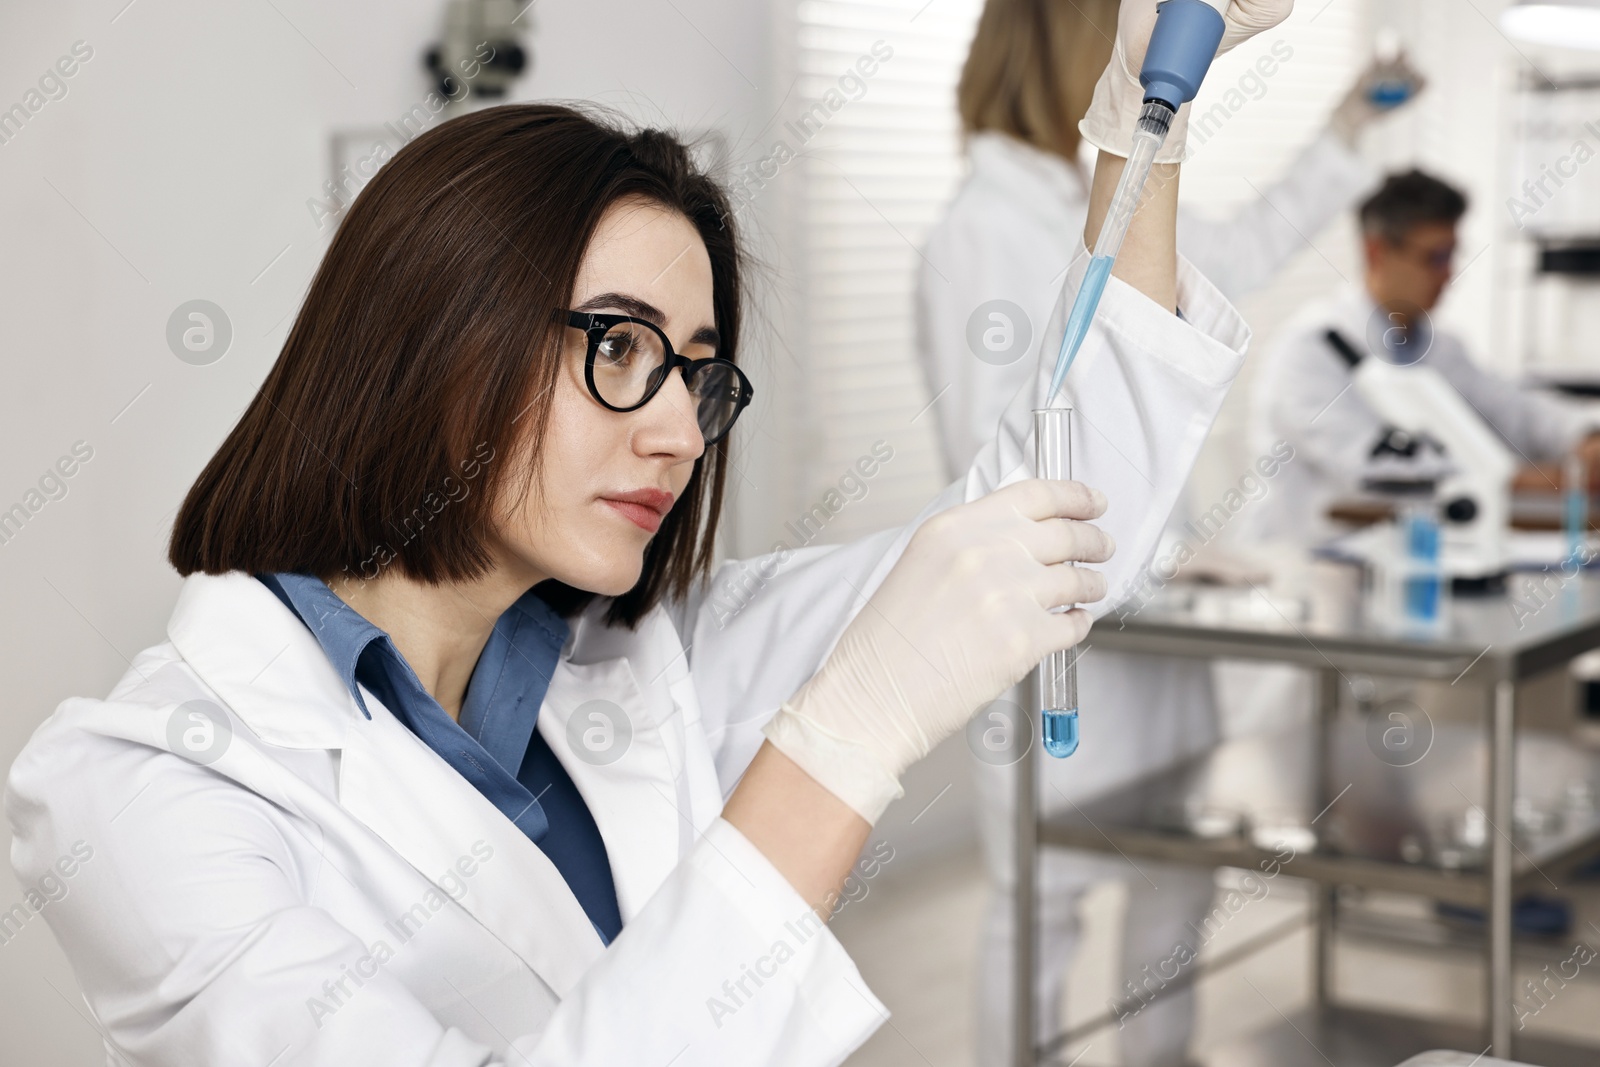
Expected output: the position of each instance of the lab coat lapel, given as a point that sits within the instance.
(274, 676)
(261, 660)
(623, 747)
(407, 795)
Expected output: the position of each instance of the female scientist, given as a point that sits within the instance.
(443, 763)
(1015, 224)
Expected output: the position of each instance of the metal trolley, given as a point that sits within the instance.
(1361, 804)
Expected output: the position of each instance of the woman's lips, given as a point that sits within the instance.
(647, 519)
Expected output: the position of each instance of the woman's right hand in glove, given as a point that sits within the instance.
(1119, 96)
(964, 614)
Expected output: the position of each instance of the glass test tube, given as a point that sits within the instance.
(1420, 563)
(1575, 510)
(1058, 672)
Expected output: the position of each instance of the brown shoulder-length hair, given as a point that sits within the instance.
(1032, 67)
(427, 347)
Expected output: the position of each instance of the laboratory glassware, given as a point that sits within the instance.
(1422, 581)
(1058, 672)
(1575, 505)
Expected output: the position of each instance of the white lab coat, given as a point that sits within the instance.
(1015, 224)
(252, 910)
(1302, 395)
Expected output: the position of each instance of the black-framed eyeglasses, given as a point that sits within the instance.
(629, 360)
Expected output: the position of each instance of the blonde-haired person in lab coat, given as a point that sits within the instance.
(452, 755)
(1303, 395)
(989, 280)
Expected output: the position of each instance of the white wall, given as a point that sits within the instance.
(178, 166)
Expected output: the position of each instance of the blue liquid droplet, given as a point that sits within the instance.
(1386, 95)
(1061, 733)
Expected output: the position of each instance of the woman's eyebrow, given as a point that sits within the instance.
(640, 309)
(628, 305)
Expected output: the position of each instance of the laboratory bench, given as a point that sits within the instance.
(1370, 794)
(1529, 510)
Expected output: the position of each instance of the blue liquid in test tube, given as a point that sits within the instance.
(1061, 733)
(1058, 672)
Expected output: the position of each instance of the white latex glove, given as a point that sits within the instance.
(963, 615)
(1118, 96)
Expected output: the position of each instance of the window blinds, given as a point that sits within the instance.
(875, 179)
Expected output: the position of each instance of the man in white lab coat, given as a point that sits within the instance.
(1303, 393)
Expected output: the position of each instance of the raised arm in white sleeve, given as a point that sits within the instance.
(1245, 250)
(1146, 386)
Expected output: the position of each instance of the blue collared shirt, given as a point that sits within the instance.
(494, 745)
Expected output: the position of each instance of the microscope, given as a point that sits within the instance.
(1474, 486)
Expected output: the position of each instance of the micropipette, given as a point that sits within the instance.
(1182, 45)
(1185, 40)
